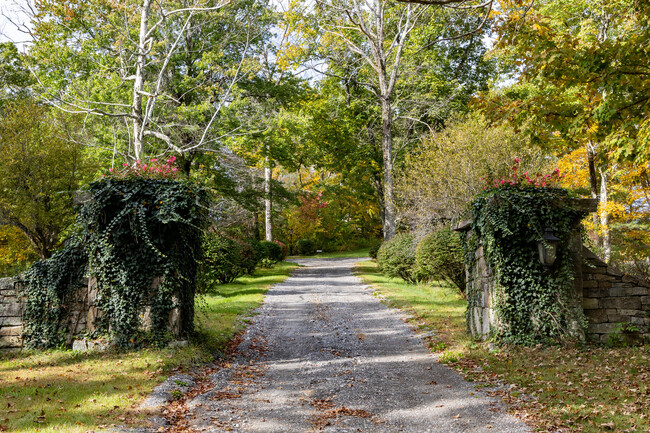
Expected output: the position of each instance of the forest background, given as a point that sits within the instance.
(339, 122)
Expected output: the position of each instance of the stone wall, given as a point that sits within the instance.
(611, 299)
(80, 313)
(11, 315)
(480, 317)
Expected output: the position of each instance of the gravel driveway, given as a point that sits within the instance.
(324, 355)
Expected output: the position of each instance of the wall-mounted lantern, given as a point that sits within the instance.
(548, 247)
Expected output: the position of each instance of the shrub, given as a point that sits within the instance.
(396, 257)
(305, 247)
(222, 261)
(440, 255)
(249, 257)
(374, 249)
(284, 249)
(269, 250)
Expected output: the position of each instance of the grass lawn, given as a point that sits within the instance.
(66, 391)
(363, 252)
(579, 389)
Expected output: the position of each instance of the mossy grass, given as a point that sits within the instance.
(67, 391)
(362, 252)
(569, 388)
(436, 307)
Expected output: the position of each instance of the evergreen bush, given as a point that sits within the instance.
(270, 251)
(396, 257)
(222, 261)
(374, 249)
(305, 247)
(440, 255)
(249, 257)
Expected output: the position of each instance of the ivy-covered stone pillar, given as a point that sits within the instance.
(513, 297)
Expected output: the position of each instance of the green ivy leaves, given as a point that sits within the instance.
(533, 304)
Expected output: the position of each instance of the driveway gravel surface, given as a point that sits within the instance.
(324, 355)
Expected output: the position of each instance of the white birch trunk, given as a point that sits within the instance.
(604, 218)
(268, 204)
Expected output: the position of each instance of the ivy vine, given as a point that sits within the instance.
(533, 303)
(140, 238)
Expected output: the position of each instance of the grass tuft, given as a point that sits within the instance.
(575, 389)
(76, 392)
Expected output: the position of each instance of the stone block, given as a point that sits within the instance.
(590, 303)
(620, 285)
(628, 279)
(637, 291)
(631, 313)
(616, 292)
(610, 303)
(8, 293)
(601, 328)
(9, 331)
(616, 318)
(595, 293)
(10, 341)
(604, 277)
(613, 271)
(632, 303)
(83, 345)
(11, 321)
(596, 316)
(588, 284)
(11, 309)
(638, 321)
(596, 270)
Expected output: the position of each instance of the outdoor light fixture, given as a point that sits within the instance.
(548, 247)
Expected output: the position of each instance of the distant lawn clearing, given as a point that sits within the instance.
(66, 391)
(363, 252)
(577, 389)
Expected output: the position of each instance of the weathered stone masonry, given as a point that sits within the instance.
(611, 298)
(608, 297)
(11, 315)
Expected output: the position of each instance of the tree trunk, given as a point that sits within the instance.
(138, 85)
(604, 218)
(256, 226)
(387, 151)
(268, 204)
(593, 186)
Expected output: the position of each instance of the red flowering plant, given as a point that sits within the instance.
(517, 179)
(154, 168)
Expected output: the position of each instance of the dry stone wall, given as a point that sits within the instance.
(611, 299)
(80, 315)
(11, 315)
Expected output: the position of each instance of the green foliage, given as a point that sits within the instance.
(248, 259)
(432, 191)
(39, 171)
(305, 247)
(50, 285)
(374, 249)
(396, 257)
(533, 304)
(140, 238)
(624, 335)
(440, 255)
(222, 261)
(581, 68)
(271, 251)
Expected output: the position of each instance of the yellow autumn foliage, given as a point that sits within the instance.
(15, 250)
